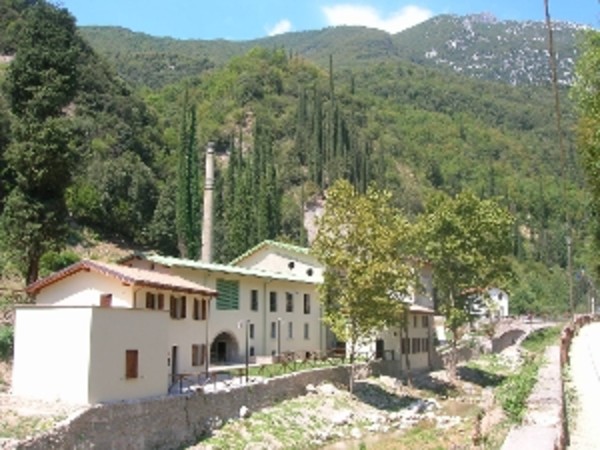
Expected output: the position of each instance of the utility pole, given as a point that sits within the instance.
(570, 275)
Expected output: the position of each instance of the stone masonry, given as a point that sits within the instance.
(173, 421)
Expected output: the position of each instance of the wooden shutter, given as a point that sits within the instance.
(195, 355)
(204, 309)
(228, 298)
(196, 309)
(131, 364)
(173, 307)
(183, 307)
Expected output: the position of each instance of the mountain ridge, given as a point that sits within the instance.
(464, 44)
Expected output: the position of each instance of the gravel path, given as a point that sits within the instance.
(585, 371)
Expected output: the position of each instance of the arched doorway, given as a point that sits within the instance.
(224, 349)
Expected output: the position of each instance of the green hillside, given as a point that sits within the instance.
(286, 128)
(477, 45)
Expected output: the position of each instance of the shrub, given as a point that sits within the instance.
(6, 341)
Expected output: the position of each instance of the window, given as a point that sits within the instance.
(198, 351)
(254, 300)
(415, 321)
(252, 351)
(229, 294)
(150, 300)
(178, 307)
(131, 364)
(273, 330)
(289, 302)
(306, 331)
(199, 309)
(425, 321)
(306, 303)
(161, 301)
(251, 331)
(425, 345)
(416, 345)
(290, 330)
(106, 300)
(273, 301)
(405, 347)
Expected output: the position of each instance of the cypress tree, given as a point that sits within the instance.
(188, 186)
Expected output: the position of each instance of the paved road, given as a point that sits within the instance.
(585, 370)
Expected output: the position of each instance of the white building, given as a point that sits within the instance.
(103, 332)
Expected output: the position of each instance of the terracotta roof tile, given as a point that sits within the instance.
(130, 275)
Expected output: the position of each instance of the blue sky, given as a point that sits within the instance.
(249, 19)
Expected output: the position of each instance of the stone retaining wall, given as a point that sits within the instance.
(546, 422)
(174, 421)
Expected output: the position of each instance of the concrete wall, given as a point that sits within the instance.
(506, 340)
(174, 421)
(52, 353)
(115, 330)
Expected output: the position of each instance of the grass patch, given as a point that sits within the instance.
(513, 392)
(537, 341)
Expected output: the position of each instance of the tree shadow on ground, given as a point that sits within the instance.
(480, 377)
(436, 386)
(379, 398)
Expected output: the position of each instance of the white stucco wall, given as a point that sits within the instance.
(185, 332)
(391, 341)
(278, 260)
(115, 330)
(84, 288)
(52, 353)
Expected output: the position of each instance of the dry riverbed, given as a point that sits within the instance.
(382, 413)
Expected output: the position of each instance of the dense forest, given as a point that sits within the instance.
(284, 129)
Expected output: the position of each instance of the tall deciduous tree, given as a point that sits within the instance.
(363, 242)
(586, 92)
(41, 83)
(468, 241)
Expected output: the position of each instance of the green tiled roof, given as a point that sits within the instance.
(281, 245)
(170, 261)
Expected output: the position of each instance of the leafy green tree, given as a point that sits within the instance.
(41, 83)
(468, 241)
(363, 243)
(586, 93)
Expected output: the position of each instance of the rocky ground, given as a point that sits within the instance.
(380, 413)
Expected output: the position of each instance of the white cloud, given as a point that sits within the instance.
(349, 14)
(283, 26)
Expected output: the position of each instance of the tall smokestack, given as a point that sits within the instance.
(207, 220)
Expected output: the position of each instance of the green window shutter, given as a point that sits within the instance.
(229, 294)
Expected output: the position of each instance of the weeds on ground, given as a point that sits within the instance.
(570, 397)
(15, 426)
(537, 341)
(515, 390)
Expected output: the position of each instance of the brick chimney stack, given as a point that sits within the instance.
(207, 219)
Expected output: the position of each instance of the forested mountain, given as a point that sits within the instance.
(476, 45)
(294, 114)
